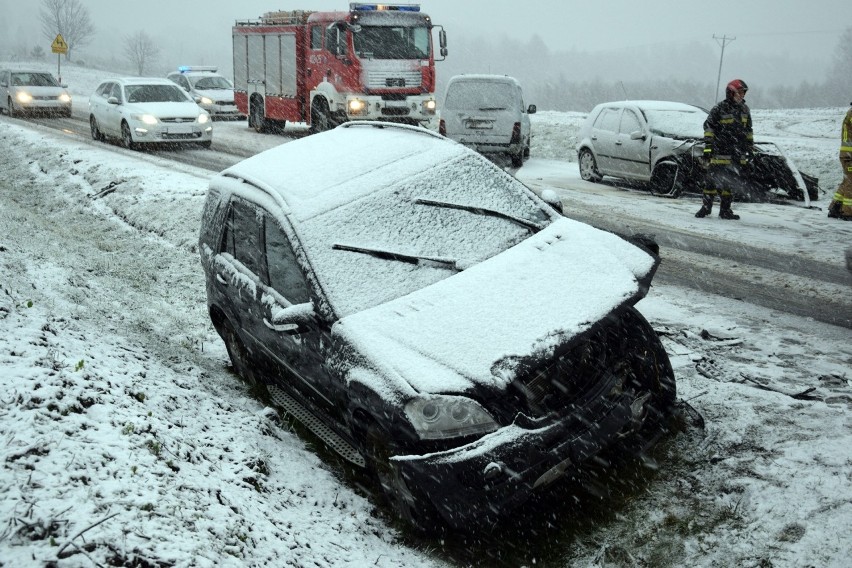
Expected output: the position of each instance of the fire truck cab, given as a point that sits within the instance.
(374, 62)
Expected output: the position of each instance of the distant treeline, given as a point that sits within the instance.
(577, 80)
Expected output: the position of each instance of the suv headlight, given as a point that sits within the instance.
(203, 118)
(24, 97)
(442, 417)
(206, 101)
(65, 98)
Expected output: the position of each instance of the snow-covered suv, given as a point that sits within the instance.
(432, 319)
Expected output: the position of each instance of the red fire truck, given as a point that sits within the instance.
(374, 62)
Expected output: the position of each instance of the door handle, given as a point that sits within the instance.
(289, 328)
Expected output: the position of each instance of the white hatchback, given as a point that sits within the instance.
(147, 110)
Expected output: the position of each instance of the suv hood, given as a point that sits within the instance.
(462, 333)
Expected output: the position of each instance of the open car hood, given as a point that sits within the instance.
(456, 335)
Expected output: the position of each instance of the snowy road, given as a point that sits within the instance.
(723, 266)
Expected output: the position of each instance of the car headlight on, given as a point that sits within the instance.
(24, 97)
(206, 101)
(356, 106)
(65, 98)
(429, 107)
(442, 417)
(203, 118)
(148, 119)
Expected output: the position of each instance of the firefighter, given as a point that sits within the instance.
(728, 149)
(841, 204)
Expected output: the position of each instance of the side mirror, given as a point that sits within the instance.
(292, 319)
(637, 135)
(442, 41)
(113, 101)
(531, 109)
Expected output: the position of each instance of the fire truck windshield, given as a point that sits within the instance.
(387, 42)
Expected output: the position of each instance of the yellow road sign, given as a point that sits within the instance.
(59, 45)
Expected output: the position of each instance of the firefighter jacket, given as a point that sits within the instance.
(728, 135)
(846, 137)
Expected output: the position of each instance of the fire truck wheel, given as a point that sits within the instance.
(320, 120)
(256, 119)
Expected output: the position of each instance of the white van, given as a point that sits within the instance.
(487, 113)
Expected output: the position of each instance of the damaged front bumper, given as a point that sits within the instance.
(480, 482)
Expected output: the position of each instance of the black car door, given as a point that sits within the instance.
(297, 350)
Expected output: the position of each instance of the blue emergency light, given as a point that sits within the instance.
(354, 6)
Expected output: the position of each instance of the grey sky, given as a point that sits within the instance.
(198, 30)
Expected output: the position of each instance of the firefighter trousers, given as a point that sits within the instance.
(843, 195)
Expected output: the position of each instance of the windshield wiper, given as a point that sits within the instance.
(525, 223)
(400, 256)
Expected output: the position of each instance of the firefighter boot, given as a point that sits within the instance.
(706, 206)
(725, 211)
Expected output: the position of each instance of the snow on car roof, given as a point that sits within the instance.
(484, 77)
(654, 105)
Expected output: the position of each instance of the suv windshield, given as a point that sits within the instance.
(211, 83)
(401, 42)
(418, 231)
(34, 80)
(155, 94)
(677, 123)
(480, 95)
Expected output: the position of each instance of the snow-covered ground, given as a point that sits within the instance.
(127, 441)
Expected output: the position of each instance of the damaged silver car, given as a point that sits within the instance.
(661, 143)
(432, 319)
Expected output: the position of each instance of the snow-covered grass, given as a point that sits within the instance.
(128, 441)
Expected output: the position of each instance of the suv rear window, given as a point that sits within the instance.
(480, 95)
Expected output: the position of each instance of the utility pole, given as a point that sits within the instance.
(724, 41)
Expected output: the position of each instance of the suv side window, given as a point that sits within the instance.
(241, 237)
(608, 119)
(630, 122)
(284, 274)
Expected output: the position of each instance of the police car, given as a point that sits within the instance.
(213, 92)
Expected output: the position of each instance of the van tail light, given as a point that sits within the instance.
(442, 127)
(516, 133)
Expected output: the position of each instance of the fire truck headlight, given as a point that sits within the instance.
(429, 107)
(357, 106)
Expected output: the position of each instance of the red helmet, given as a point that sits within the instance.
(736, 85)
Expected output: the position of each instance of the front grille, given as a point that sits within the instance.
(395, 111)
(46, 98)
(177, 120)
(393, 79)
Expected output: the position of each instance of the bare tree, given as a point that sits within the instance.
(68, 18)
(141, 51)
